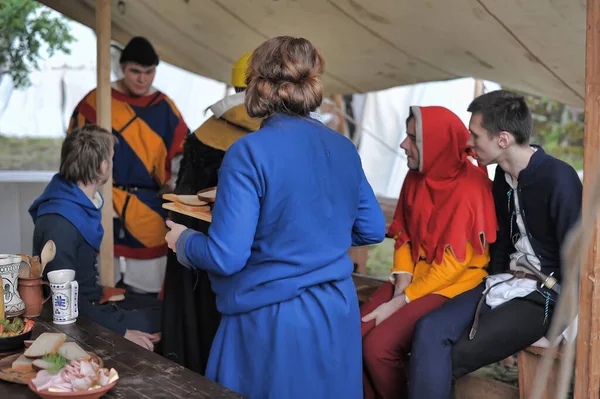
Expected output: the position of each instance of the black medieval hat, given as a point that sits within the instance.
(139, 50)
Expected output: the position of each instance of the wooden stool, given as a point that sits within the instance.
(528, 362)
(473, 386)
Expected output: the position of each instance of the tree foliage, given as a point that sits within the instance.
(558, 128)
(26, 28)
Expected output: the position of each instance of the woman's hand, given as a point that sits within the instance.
(143, 339)
(173, 235)
(385, 310)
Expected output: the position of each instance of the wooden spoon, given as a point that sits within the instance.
(24, 269)
(47, 255)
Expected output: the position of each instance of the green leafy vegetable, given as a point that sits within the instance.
(12, 327)
(56, 362)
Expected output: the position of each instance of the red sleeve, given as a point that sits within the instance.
(181, 131)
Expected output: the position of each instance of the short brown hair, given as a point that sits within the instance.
(503, 110)
(83, 151)
(284, 76)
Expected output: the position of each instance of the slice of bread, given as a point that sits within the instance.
(39, 364)
(22, 364)
(45, 344)
(71, 351)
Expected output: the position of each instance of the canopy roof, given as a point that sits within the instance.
(537, 46)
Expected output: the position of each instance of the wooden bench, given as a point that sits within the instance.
(529, 360)
(474, 386)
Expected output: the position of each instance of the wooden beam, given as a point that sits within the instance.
(103, 19)
(478, 88)
(587, 372)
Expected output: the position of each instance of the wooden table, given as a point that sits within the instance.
(143, 374)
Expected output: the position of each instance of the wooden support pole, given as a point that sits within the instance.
(587, 373)
(478, 88)
(103, 116)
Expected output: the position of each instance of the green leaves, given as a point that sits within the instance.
(55, 363)
(27, 28)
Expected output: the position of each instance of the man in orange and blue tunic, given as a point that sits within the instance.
(150, 132)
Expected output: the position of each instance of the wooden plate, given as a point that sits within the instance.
(202, 214)
(10, 375)
(208, 194)
(189, 208)
(190, 200)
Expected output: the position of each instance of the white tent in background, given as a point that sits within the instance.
(44, 108)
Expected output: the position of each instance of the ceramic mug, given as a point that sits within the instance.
(9, 271)
(65, 296)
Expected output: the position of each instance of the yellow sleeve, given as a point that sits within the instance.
(403, 262)
(442, 275)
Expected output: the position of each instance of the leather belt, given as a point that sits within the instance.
(515, 275)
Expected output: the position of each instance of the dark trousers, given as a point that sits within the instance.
(442, 350)
(136, 312)
(386, 346)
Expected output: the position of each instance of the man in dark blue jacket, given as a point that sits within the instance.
(69, 212)
(538, 200)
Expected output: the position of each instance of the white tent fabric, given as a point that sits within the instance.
(383, 121)
(44, 108)
(537, 46)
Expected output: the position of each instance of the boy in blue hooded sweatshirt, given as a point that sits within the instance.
(69, 212)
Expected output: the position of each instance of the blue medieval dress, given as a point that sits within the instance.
(292, 198)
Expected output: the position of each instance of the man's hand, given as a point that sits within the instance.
(402, 280)
(173, 235)
(385, 310)
(143, 339)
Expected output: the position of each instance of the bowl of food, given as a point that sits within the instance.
(14, 332)
(87, 394)
(59, 377)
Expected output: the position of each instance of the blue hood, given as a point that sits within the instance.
(65, 198)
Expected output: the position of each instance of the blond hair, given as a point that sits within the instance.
(83, 151)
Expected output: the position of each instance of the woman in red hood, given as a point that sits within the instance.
(443, 225)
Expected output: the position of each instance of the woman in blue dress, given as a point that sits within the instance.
(292, 198)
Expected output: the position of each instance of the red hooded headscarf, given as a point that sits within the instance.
(449, 200)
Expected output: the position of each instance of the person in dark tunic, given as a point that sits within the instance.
(190, 316)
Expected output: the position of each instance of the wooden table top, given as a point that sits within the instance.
(142, 374)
